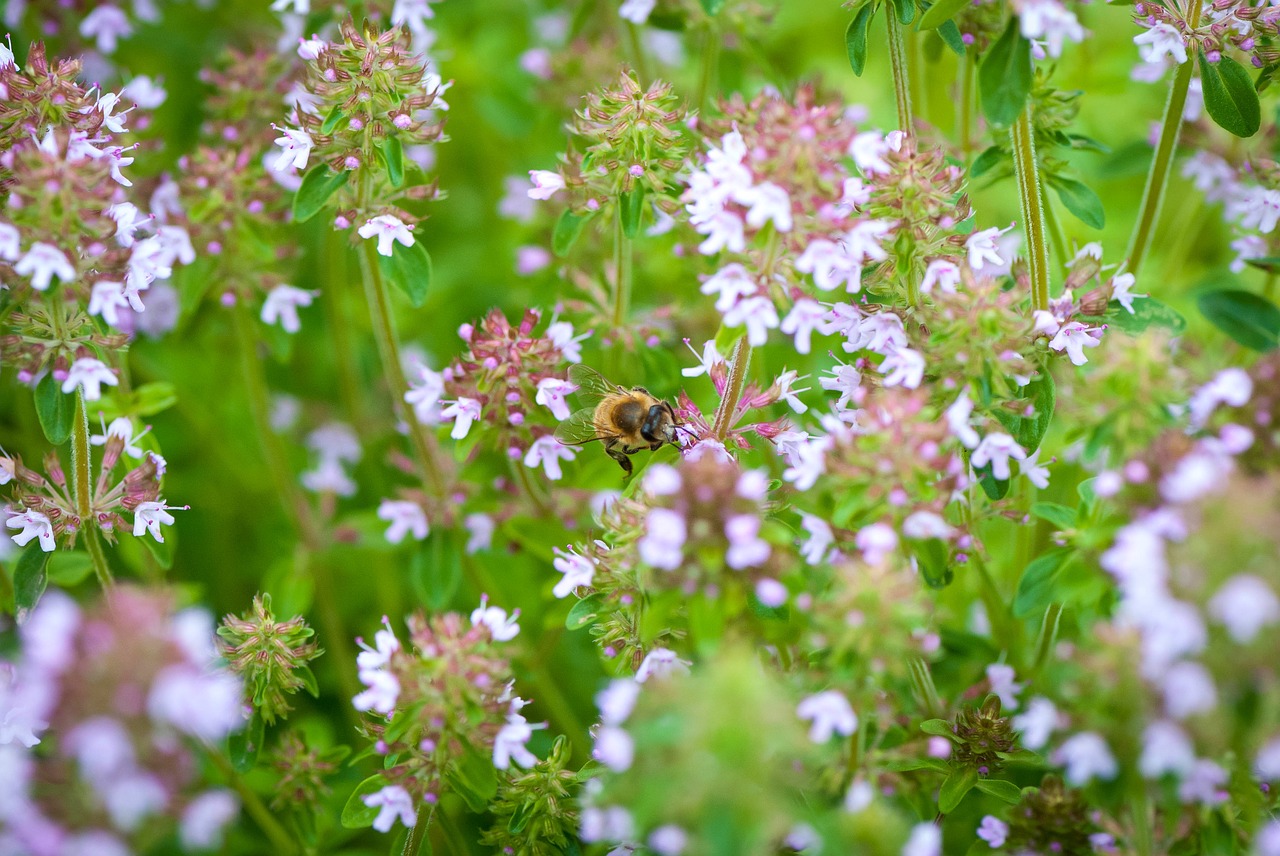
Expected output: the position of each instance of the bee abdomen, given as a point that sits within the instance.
(629, 415)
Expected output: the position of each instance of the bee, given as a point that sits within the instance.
(626, 420)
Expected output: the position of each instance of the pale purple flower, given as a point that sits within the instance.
(662, 480)
(1188, 689)
(614, 748)
(868, 151)
(957, 416)
(510, 746)
(393, 803)
(903, 367)
(1121, 285)
(531, 259)
(1267, 841)
(106, 25)
(132, 798)
(89, 374)
(668, 840)
(863, 243)
(1266, 765)
(659, 663)
(281, 306)
(994, 831)
(501, 626)
(925, 840)
(405, 517)
(548, 452)
(766, 202)
(809, 463)
(551, 393)
(710, 356)
(106, 300)
(805, 316)
(1051, 21)
(463, 412)
(1247, 247)
(982, 248)
(724, 230)
(389, 229)
(311, 49)
(943, 273)
(617, 700)
(759, 315)
(611, 823)
(828, 713)
(876, 541)
(34, 525)
(145, 92)
(578, 571)
(1037, 722)
(1073, 337)
(205, 817)
(663, 541)
(997, 449)
(149, 516)
(204, 704)
(295, 149)
(636, 11)
(545, 183)
(770, 592)
(1244, 605)
(831, 264)
(860, 795)
(746, 548)
(1165, 749)
(425, 396)
(923, 525)
(128, 220)
(1036, 474)
(386, 644)
(1231, 386)
(1195, 475)
(1000, 676)
(730, 284)
(1205, 783)
(480, 528)
(1160, 41)
(42, 263)
(817, 548)
(560, 334)
(10, 241)
(1086, 757)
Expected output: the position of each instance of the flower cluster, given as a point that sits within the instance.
(269, 655)
(435, 705)
(1170, 33)
(125, 690)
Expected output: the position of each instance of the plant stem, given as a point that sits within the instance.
(419, 830)
(728, 407)
(623, 252)
(966, 109)
(637, 50)
(710, 58)
(899, 64)
(335, 303)
(281, 842)
(1024, 163)
(81, 475)
(1162, 163)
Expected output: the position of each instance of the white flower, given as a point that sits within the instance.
(578, 571)
(923, 525)
(148, 517)
(89, 374)
(876, 541)
(295, 148)
(663, 541)
(1073, 337)
(614, 748)
(42, 263)
(957, 416)
(982, 248)
(766, 201)
(943, 273)
(868, 150)
(659, 663)
(1037, 722)
(106, 24)
(1166, 749)
(710, 356)
(1051, 21)
(145, 92)
(830, 713)
(1120, 290)
(463, 412)
(405, 517)
(106, 299)
(997, 449)
(551, 393)
(1086, 757)
(389, 229)
(1188, 689)
(805, 316)
(1036, 474)
(394, 803)
(925, 840)
(758, 313)
(1159, 41)
(731, 283)
(502, 627)
(33, 525)
(281, 306)
(637, 11)
(668, 840)
(545, 183)
(1244, 605)
(480, 528)
(425, 396)
(1000, 676)
(903, 367)
(121, 427)
(994, 831)
(510, 746)
(548, 452)
(617, 700)
(10, 241)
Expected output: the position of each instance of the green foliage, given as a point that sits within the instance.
(1248, 318)
(1229, 96)
(855, 37)
(1004, 77)
(409, 270)
(318, 186)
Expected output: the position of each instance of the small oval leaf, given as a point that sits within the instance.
(357, 815)
(568, 228)
(585, 612)
(631, 210)
(393, 157)
(1250, 319)
(1230, 98)
(409, 269)
(1000, 789)
(1080, 200)
(1004, 78)
(953, 790)
(55, 409)
(1038, 586)
(941, 12)
(316, 188)
(29, 579)
(855, 39)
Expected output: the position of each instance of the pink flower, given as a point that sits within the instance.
(876, 541)
(502, 627)
(205, 817)
(614, 748)
(758, 313)
(42, 263)
(805, 316)
(405, 517)
(663, 541)
(551, 393)
(766, 202)
(868, 151)
(659, 663)
(1000, 676)
(994, 831)
(982, 248)
(1086, 757)
(463, 412)
(943, 273)
(89, 374)
(731, 283)
(997, 449)
(389, 229)
(746, 548)
(830, 714)
(903, 367)
(578, 571)
(394, 803)
(545, 183)
(548, 452)
(106, 24)
(957, 416)
(281, 306)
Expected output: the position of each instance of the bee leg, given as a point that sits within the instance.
(613, 450)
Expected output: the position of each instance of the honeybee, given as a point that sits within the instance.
(626, 420)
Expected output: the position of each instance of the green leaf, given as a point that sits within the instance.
(1004, 78)
(244, 746)
(409, 268)
(162, 552)
(308, 678)
(56, 410)
(69, 567)
(1271, 264)
(855, 38)
(29, 579)
(475, 779)
(1029, 431)
(436, 571)
(631, 210)
(1250, 319)
(942, 12)
(152, 398)
(393, 156)
(954, 788)
(1038, 586)
(1001, 790)
(357, 815)
(585, 611)
(995, 489)
(938, 728)
(1230, 98)
(1080, 200)
(332, 119)
(950, 35)
(712, 7)
(1062, 516)
(317, 186)
(986, 161)
(1147, 312)
(906, 10)
(934, 559)
(907, 765)
(567, 230)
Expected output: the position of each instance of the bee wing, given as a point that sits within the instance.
(592, 386)
(579, 428)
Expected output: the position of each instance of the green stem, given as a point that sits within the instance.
(623, 253)
(1057, 236)
(281, 842)
(710, 58)
(637, 50)
(967, 74)
(728, 407)
(81, 474)
(1048, 637)
(335, 303)
(419, 830)
(1024, 163)
(899, 63)
(1162, 163)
